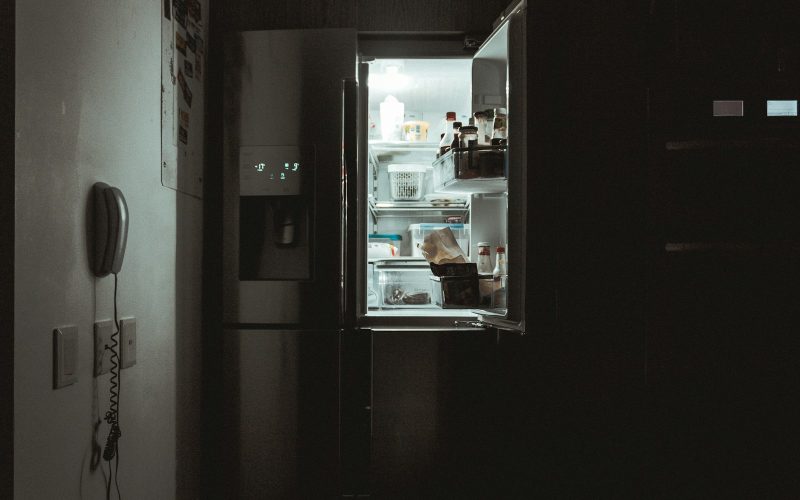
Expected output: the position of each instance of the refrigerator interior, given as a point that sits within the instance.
(398, 284)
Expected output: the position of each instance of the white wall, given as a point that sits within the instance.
(87, 110)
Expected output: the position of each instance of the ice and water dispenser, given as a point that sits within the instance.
(276, 206)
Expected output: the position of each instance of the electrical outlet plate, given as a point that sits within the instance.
(102, 338)
(128, 342)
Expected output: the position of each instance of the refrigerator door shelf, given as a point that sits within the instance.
(478, 169)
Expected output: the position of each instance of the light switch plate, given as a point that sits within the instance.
(65, 356)
(102, 339)
(128, 342)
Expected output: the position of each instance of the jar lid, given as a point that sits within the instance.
(499, 111)
(484, 244)
(479, 114)
(467, 129)
(456, 125)
(501, 250)
(451, 115)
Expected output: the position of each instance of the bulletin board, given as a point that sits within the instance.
(183, 49)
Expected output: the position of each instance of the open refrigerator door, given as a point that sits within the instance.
(443, 156)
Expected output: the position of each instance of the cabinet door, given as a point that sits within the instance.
(722, 373)
(432, 414)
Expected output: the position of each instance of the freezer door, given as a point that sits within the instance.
(281, 413)
(500, 80)
(282, 175)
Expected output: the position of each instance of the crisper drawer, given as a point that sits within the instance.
(401, 283)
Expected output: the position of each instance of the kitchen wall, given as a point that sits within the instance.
(88, 110)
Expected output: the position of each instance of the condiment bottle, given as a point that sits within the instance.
(484, 258)
(500, 267)
(500, 278)
(456, 142)
(447, 138)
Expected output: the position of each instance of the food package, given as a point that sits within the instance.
(440, 247)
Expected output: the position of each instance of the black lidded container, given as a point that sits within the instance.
(455, 285)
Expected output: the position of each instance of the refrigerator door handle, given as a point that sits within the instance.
(348, 203)
(501, 323)
(469, 324)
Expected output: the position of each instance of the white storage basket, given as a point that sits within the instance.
(406, 181)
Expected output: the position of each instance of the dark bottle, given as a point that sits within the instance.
(456, 135)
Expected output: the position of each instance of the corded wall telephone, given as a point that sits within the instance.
(111, 229)
(110, 237)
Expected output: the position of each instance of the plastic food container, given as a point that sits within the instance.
(419, 231)
(415, 131)
(402, 283)
(407, 181)
(392, 239)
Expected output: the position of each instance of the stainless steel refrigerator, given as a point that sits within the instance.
(328, 394)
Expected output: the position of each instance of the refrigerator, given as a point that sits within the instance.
(330, 392)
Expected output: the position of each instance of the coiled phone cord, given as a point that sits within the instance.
(111, 450)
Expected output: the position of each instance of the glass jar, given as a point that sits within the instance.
(487, 139)
(482, 123)
(469, 136)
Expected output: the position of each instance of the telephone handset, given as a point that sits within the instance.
(110, 229)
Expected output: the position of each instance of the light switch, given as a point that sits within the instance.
(65, 356)
(128, 342)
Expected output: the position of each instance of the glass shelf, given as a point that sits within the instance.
(417, 208)
(403, 146)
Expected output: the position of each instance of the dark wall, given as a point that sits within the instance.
(7, 249)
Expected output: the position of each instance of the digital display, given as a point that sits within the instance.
(270, 170)
(782, 108)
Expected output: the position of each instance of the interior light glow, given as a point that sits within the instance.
(390, 81)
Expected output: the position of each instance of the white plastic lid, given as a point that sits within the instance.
(407, 167)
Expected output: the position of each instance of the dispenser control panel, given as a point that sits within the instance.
(273, 170)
